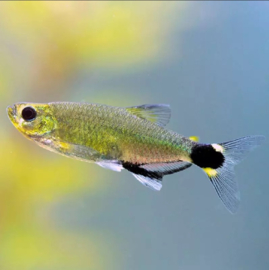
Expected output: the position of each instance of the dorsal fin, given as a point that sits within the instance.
(156, 113)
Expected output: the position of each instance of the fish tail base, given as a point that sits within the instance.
(218, 161)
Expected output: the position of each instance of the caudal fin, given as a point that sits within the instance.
(218, 161)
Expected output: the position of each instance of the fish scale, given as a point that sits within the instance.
(106, 125)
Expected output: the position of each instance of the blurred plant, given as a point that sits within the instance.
(28, 239)
(56, 39)
(43, 45)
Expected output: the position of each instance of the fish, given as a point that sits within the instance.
(134, 139)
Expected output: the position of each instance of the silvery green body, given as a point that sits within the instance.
(115, 133)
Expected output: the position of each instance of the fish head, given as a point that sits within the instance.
(32, 119)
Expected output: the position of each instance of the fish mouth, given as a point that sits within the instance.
(11, 112)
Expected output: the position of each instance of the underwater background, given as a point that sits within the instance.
(208, 60)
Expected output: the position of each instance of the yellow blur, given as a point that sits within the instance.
(45, 44)
(194, 138)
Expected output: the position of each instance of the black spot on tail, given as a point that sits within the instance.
(205, 156)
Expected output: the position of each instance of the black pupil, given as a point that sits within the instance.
(28, 114)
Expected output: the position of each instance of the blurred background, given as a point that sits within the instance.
(208, 60)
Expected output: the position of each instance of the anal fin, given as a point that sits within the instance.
(152, 183)
(150, 175)
(166, 168)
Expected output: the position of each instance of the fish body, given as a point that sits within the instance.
(117, 134)
(132, 138)
(109, 133)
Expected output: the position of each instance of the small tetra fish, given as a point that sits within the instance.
(131, 138)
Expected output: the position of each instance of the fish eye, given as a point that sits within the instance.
(28, 113)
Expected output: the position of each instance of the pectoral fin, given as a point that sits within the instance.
(76, 151)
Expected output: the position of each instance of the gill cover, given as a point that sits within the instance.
(32, 119)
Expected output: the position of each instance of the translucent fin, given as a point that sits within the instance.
(154, 184)
(151, 175)
(226, 187)
(113, 165)
(223, 178)
(236, 150)
(75, 151)
(166, 168)
(156, 113)
(194, 138)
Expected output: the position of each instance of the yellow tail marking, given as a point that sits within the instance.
(210, 172)
(194, 138)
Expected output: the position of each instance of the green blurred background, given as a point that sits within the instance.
(209, 60)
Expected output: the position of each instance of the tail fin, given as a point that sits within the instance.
(218, 161)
